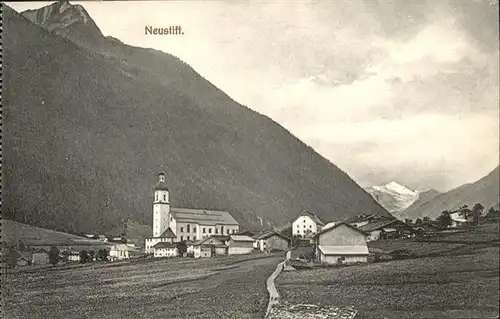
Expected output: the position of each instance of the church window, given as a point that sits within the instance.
(227, 231)
(216, 231)
(210, 230)
(194, 229)
(187, 227)
(164, 197)
(182, 238)
(204, 230)
(182, 229)
(156, 196)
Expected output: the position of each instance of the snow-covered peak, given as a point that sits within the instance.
(398, 188)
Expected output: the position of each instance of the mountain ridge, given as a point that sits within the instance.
(88, 124)
(485, 191)
(393, 196)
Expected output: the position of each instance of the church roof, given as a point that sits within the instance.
(168, 233)
(203, 216)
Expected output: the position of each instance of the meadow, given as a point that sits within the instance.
(222, 287)
(454, 275)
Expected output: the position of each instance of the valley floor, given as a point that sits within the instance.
(222, 287)
(452, 276)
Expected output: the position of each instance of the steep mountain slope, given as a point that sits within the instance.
(484, 191)
(87, 130)
(393, 196)
(423, 197)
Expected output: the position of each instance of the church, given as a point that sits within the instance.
(172, 224)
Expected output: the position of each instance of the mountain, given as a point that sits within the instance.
(90, 121)
(423, 197)
(484, 191)
(393, 196)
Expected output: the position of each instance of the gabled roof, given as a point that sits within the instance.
(272, 233)
(315, 218)
(380, 224)
(338, 225)
(168, 233)
(40, 250)
(164, 244)
(121, 247)
(203, 216)
(344, 250)
(242, 238)
(246, 232)
(208, 241)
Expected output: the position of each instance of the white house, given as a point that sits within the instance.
(164, 249)
(341, 243)
(306, 225)
(119, 252)
(167, 236)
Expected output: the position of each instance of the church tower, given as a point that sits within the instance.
(161, 206)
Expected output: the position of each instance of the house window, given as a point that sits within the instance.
(182, 229)
(187, 237)
(227, 231)
(216, 231)
(194, 229)
(194, 237)
(310, 226)
(188, 228)
(171, 219)
(304, 226)
(204, 230)
(165, 197)
(210, 230)
(157, 197)
(234, 231)
(182, 238)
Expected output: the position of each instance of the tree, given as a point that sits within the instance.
(102, 255)
(181, 247)
(418, 221)
(445, 219)
(426, 219)
(477, 211)
(408, 221)
(54, 255)
(11, 259)
(20, 246)
(83, 256)
(91, 255)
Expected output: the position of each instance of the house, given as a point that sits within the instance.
(273, 241)
(306, 224)
(209, 247)
(119, 252)
(341, 243)
(385, 229)
(426, 228)
(240, 244)
(461, 217)
(186, 223)
(364, 219)
(40, 257)
(165, 249)
(72, 255)
(22, 261)
(167, 236)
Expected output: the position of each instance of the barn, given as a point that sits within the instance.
(341, 244)
(273, 241)
(240, 244)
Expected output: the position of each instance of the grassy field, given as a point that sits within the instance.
(223, 287)
(452, 276)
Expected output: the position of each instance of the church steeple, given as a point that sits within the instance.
(161, 206)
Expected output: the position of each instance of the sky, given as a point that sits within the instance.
(386, 90)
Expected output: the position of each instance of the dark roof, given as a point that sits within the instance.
(339, 224)
(161, 186)
(381, 223)
(272, 233)
(246, 232)
(209, 241)
(315, 218)
(203, 216)
(164, 244)
(221, 237)
(168, 233)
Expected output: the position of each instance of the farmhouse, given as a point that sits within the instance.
(40, 257)
(209, 247)
(119, 252)
(426, 228)
(240, 244)
(185, 223)
(341, 243)
(164, 249)
(384, 229)
(364, 219)
(273, 241)
(306, 224)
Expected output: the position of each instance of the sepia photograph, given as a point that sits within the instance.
(283, 159)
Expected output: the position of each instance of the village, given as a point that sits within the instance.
(200, 233)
